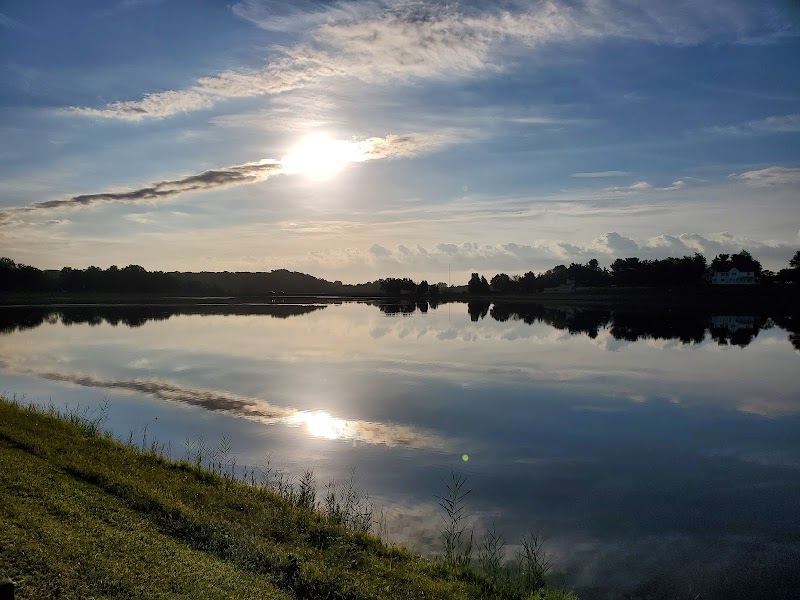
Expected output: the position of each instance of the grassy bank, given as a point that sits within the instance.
(84, 516)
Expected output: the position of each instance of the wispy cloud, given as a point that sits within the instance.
(771, 177)
(644, 186)
(639, 186)
(127, 5)
(675, 185)
(380, 42)
(408, 145)
(373, 148)
(9, 23)
(542, 120)
(773, 124)
(593, 174)
(302, 15)
(162, 190)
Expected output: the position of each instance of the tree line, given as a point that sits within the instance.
(686, 271)
(393, 286)
(131, 279)
(135, 279)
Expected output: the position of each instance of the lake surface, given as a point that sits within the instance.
(658, 454)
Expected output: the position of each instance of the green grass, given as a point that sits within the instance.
(84, 516)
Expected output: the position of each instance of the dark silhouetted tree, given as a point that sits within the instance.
(502, 284)
(744, 261)
(527, 283)
(478, 284)
(398, 287)
(15, 277)
(721, 262)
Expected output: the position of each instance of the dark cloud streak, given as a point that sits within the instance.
(208, 180)
(212, 179)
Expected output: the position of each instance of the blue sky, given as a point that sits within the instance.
(499, 137)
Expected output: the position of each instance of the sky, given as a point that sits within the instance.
(355, 140)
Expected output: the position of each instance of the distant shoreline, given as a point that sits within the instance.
(631, 298)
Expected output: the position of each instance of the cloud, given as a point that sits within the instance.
(9, 23)
(593, 174)
(163, 190)
(644, 186)
(675, 185)
(141, 218)
(412, 144)
(539, 120)
(770, 177)
(512, 257)
(614, 244)
(379, 251)
(639, 186)
(127, 5)
(374, 148)
(774, 124)
(318, 423)
(384, 42)
(302, 15)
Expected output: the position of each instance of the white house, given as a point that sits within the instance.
(733, 276)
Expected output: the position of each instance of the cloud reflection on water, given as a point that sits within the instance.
(317, 423)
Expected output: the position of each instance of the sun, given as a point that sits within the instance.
(321, 157)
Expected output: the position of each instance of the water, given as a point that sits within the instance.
(658, 454)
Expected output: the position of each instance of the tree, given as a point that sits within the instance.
(588, 275)
(794, 262)
(21, 278)
(527, 283)
(552, 278)
(501, 283)
(629, 271)
(474, 283)
(422, 288)
(744, 261)
(721, 262)
(478, 284)
(396, 287)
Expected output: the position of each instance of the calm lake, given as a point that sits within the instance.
(658, 454)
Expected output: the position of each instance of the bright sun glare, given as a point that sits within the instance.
(321, 424)
(320, 157)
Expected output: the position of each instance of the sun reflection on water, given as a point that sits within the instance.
(321, 424)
